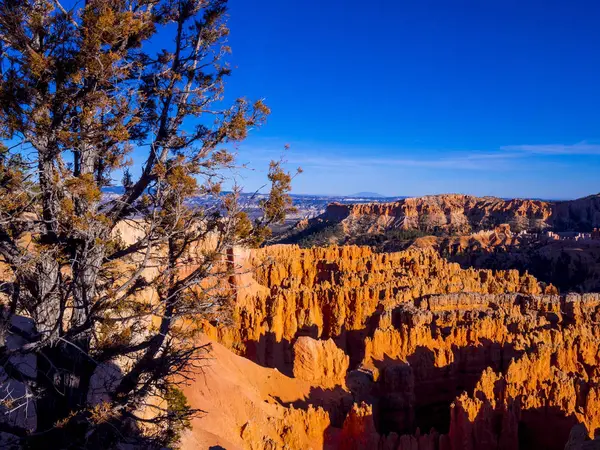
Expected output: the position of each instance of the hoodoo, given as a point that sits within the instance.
(406, 351)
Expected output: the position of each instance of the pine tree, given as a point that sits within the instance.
(81, 91)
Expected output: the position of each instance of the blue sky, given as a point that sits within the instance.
(417, 97)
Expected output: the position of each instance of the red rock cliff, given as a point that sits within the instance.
(408, 351)
(458, 214)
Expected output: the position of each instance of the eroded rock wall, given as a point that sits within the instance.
(407, 351)
(449, 213)
(339, 293)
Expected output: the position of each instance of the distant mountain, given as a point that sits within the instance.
(367, 195)
(448, 214)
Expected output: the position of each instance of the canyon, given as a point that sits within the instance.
(458, 339)
(448, 341)
(350, 348)
(557, 242)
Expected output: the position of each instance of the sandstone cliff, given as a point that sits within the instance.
(407, 351)
(451, 213)
(580, 214)
(339, 293)
(346, 348)
(458, 371)
(320, 362)
(241, 404)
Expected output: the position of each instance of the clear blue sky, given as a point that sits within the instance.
(489, 97)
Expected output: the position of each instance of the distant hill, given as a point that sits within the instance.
(367, 195)
(447, 214)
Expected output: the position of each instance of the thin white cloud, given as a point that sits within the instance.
(581, 148)
(465, 161)
(313, 156)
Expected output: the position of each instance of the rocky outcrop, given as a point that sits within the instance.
(542, 394)
(579, 439)
(453, 214)
(404, 351)
(582, 214)
(242, 406)
(450, 212)
(359, 430)
(568, 264)
(320, 362)
(339, 293)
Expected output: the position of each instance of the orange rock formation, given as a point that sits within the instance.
(320, 362)
(402, 351)
(242, 407)
(569, 264)
(457, 213)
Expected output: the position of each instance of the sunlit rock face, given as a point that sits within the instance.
(320, 362)
(340, 293)
(345, 348)
(454, 212)
(450, 214)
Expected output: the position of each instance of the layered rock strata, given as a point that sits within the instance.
(408, 351)
(453, 213)
(339, 293)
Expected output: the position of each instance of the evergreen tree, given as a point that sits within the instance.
(80, 90)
